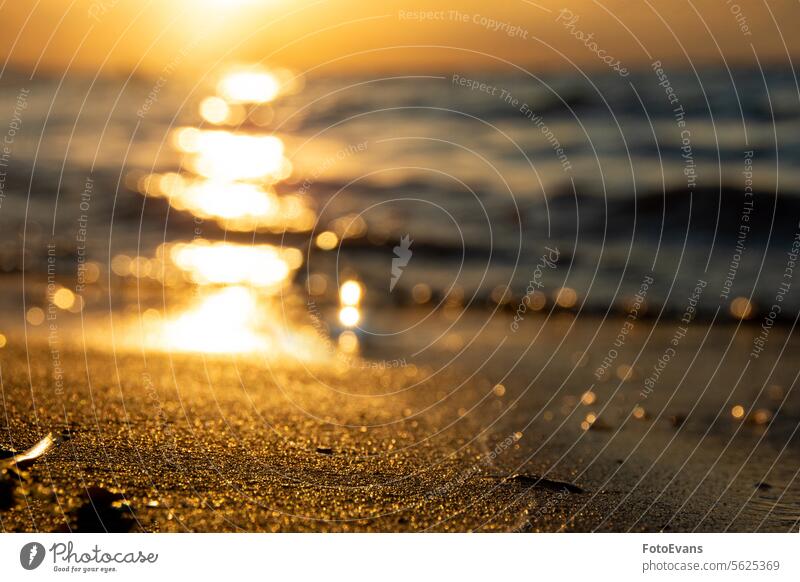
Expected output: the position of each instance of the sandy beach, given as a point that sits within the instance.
(500, 434)
(362, 267)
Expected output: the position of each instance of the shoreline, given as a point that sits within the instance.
(176, 442)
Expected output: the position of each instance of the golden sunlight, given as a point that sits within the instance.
(224, 155)
(263, 266)
(238, 206)
(350, 293)
(225, 200)
(214, 110)
(249, 86)
(349, 316)
(235, 2)
(223, 322)
(236, 320)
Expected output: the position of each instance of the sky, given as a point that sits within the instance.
(354, 36)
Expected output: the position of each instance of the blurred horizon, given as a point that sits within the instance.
(251, 127)
(123, 37)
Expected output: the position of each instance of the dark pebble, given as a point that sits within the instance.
(542, 483)
(677, 420)
(101, 512)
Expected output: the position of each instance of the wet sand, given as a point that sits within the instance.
(150, 441)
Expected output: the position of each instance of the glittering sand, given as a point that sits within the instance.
(159, 442)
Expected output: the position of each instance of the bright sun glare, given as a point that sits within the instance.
(222, 323)
(225, 155)
(263, 266)
(229, 175)
(249, 87)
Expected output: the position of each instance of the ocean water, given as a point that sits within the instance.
(588, 190)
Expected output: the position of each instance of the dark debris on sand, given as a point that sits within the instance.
(183, 444)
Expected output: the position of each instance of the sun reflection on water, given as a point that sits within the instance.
(238, 206)
(236, 320)
(350, 294)
(221, 263)
(249, 86)
(222, 154)
(230, 175)
(223, 322)
(218, 111)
